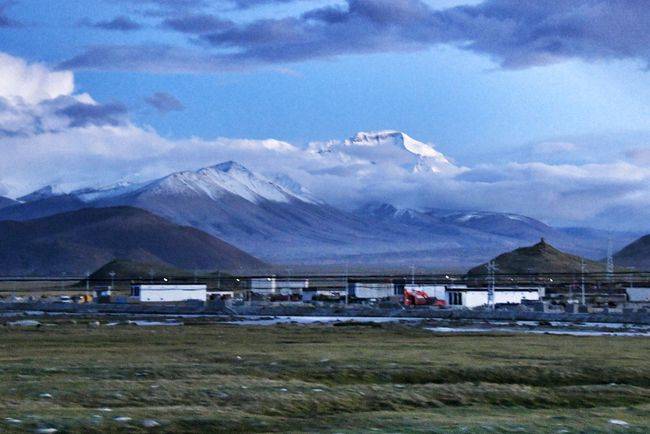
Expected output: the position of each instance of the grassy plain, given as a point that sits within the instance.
(210, 377)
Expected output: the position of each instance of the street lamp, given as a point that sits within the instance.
(112, 274)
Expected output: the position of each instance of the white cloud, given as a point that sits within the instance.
(553, 147)
(32, 83)
(43, 145)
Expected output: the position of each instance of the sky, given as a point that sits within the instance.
(542, 106)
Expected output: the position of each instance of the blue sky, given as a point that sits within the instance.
(460, 100)
(487, 82)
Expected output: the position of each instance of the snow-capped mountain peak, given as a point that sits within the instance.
(395, 138)
(398, 139)
(230, 166)
(464, 217)
(42, 193)
(378, 209)
(295, 188)
(388, 211)
(386, 147)
(225, 178)
(107, 191)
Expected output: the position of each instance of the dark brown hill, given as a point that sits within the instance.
(6, 202)
(539, 258)
(636, 254)
(126, 269)
(82, 240)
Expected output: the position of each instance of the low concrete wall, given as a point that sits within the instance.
(305, 309)
(503, 315)
(120, 308)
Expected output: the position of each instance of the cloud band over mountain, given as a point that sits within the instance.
(57, 136)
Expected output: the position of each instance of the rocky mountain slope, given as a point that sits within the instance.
(539, 258)
(127, 269)
(635, 254)
(83, 240)
(6, 202)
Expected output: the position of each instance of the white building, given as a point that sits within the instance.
(476, 297)
(273, 285)
(638, 295)
(366, 291)
(169, 293)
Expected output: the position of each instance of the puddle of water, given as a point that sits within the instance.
(263, 321)
(535, 331)
(144, 323)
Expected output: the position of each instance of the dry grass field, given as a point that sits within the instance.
(75, 376)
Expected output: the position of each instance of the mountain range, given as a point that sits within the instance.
(279, 221)
(635, 255)
(5, 202)
(83, 240)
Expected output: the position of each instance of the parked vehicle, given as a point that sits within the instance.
(415, 297)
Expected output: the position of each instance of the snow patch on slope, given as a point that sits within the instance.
(221, 179)
(42, 193)
(396, 138)
(106, 192)
(386, 147)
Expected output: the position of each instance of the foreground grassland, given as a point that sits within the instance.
(218, 377)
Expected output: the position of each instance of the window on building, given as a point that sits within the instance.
(455, 298)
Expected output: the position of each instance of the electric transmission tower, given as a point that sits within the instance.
(610, 263)
(582, 282)
(491, 268)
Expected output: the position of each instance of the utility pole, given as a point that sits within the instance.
(87, 282)
(289, 287)
(491, 268)
(610, 262)
(112, 274)
(582, 282)
(412, 275)
(347, 284)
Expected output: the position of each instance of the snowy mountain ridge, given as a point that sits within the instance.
(398, 139)
(387, 147)
(211, 182)
(103, 192)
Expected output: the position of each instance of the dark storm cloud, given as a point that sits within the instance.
(171, 7)
(246, 4)
(121, 23)
(166, 4)
(164, 102)
(199, 4)
(520, 34)
(82, 115)
(149, 58)
(5, 21)
(514, 33)
(197, 23)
